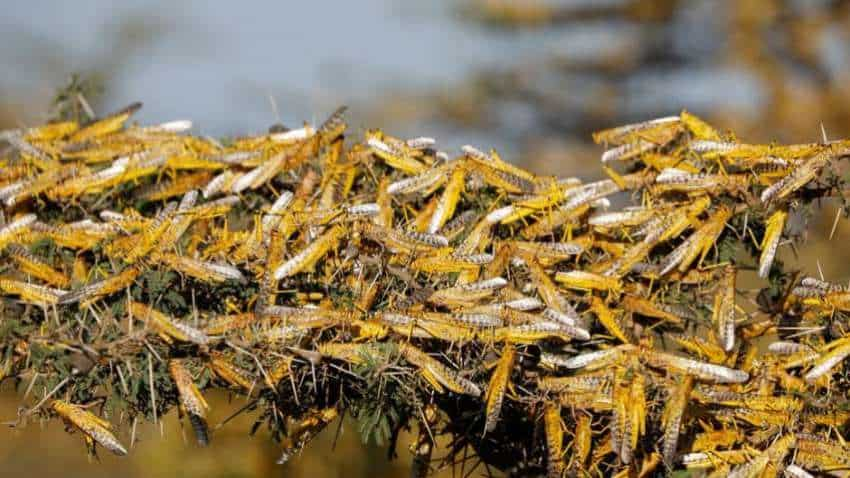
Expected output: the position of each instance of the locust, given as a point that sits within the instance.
(191, 401)
(96, 429)
(32, 293)
(770, 241)
(498, 386)
(167, 327)
(554, 431)
(436, 374)
(673, 417)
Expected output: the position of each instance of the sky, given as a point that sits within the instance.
(223, 61)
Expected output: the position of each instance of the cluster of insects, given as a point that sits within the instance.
(551, 326)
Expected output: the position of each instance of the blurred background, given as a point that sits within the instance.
(532, 78)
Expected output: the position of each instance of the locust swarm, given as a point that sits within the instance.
(547, 326)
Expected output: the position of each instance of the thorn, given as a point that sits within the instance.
(152, 389)
(86, 106)
(276, 112)
(835, 223)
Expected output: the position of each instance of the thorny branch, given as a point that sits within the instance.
(517, 314)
